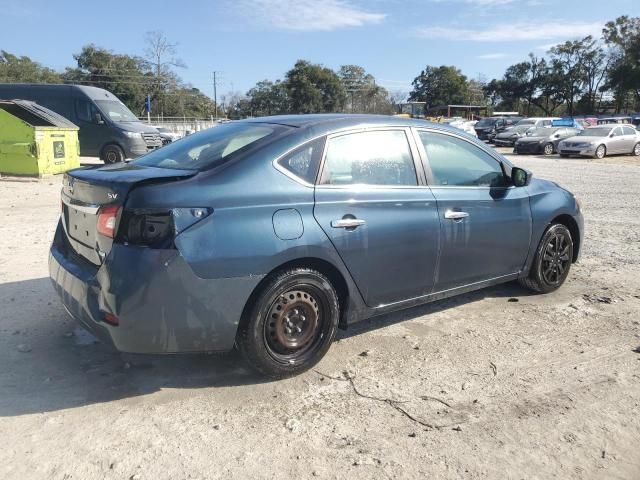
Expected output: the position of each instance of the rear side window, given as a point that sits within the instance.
(369, 158)
(303, 161)
(629, 130)
(456, 162)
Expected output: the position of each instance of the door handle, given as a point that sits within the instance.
(451, 215)
(347, 223)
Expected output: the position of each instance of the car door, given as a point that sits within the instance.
(615, 144)
(91, 134)
(485, 220)
(371, 201)
(629, 139)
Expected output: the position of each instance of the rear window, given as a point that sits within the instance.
(209, 148)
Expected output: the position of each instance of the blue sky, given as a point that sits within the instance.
(250, 40)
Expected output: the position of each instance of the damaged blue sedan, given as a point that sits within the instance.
(271, 233)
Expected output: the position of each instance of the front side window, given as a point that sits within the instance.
(369, 158)
(85, 111)
(458, 163)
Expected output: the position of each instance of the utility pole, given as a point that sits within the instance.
(215, 95)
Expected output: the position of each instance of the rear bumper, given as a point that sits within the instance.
(162, 306)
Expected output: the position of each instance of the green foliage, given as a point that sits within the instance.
(622, 36)
(14, 69)
(444, 85)
(313, 88)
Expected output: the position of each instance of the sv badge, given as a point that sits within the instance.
(112, 196)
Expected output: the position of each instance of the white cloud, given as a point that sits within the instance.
(492, 56)
(513, 31)
(308, 15)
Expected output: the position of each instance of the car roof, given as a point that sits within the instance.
(337, 121)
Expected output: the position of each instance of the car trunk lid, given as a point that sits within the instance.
(86, 191)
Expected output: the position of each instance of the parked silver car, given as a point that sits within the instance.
(601, 141)
(543, 140)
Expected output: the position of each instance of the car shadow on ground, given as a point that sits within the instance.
(48, 363)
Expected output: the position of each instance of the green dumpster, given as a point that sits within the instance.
(35, 140)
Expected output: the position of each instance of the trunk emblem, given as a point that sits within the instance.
(112, 196)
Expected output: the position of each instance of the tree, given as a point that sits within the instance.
(444, 85)
(160, 55)
(14, 69)
(313, 88)
(123, 75)
(268, 98)
(622, 36)
(363, 94)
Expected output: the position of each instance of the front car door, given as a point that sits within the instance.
(91, 134)
(485, 220)
(372, 203)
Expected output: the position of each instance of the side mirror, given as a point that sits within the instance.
(98, 119)
(520, 177)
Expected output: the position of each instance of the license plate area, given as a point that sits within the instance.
(81, 225)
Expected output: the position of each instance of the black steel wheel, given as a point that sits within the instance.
(552, 262)
(112, 154)
(548, 149)
(290, 324)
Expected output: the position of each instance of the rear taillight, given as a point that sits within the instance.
(153, 229)
(107, 218)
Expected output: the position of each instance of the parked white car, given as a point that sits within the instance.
(537, 122)
(465, 125)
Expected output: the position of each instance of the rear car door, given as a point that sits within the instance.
(630, 138)
(485, 221)
(371, 201)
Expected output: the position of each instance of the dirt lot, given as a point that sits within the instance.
(493, 384)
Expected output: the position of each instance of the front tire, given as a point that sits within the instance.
(290, 324)
(112, 154)
(552, 262)
(601, 151)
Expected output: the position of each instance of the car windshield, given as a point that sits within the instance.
(596, 132)
(116, 111)
(486, 122)
(541, 132)
(208, 148)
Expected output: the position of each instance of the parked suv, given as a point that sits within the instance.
(108, 129)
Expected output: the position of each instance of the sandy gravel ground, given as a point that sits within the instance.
(493, 384)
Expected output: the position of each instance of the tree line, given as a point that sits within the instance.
(582, 76)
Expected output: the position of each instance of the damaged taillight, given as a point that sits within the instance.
(107, 220)
(151, 228)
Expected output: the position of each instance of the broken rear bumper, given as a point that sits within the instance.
(162, 306)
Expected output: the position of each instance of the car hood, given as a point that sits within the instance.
(533, 139)
(585, 139)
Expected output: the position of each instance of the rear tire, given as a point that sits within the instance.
(552, 262)
(548, 149)
(636, 150)
(112, 154)
(290, 324)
